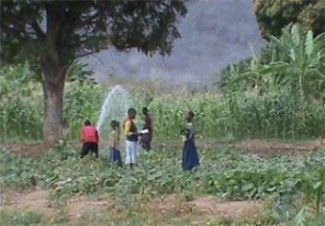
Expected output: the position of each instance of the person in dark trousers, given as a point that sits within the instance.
(145, 140)
(89, 138)
(114, 140)
(190, 158)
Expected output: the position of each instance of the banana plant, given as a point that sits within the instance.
(79, 71)
(298, 61)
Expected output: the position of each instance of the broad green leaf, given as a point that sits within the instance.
(317, 185)
(296, 37)
(309, 44)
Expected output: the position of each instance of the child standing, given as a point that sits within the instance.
(114, 140)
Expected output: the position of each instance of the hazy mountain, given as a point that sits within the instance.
(214, 34)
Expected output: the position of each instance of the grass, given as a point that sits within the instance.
(136, 217)
(225, 173)
(19, 218)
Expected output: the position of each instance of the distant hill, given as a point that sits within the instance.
(214, 34)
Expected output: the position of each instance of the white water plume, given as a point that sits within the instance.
(115, 106)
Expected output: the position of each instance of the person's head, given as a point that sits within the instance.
(87, 123)
(189, 116)
(114, 124)
(131, 113)
(145, 110)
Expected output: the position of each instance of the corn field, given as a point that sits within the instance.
(277, 94)
(278, 115)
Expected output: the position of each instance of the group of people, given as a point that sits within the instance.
(90, 140)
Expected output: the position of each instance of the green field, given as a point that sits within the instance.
(260, 140)
(284, 189)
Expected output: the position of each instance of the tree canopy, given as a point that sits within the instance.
(52, 34)
(79, 28)
(274, 15)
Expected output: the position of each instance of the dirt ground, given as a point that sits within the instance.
(28, 201)
(25, 149)
(203, 207)
(263, 148)
(267, 148)
(209, 206)
(38, 201)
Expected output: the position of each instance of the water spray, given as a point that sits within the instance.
(115, 105)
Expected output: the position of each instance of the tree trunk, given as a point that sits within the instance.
(53, 105)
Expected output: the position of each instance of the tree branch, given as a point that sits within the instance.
(86, 54)
(12, 31)
(40, 34)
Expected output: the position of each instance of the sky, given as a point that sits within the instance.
(214, 33)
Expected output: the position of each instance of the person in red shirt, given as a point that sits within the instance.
(89, 138)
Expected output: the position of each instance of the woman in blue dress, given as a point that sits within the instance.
(190, 157)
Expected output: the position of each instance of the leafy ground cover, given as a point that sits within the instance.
(280, 189)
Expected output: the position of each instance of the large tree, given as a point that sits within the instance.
(52, 34)
(274, 15)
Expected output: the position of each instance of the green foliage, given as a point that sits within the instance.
(19, 218)
(82, 101)
(313, 185)
(231, 72)
(75, 29)
(294, 62)
(239, 114)
(20, 104)
(274, 15)
(300, 208)
(79, 71)
(313, 17)
(280, 92)
(298, 62)
(223, 173)
(19, 172)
